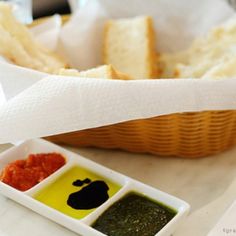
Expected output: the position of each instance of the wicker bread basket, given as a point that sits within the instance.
(189, 135)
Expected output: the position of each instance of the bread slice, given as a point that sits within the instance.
(20, 47)
(68, 72)
(225, 69)
(101, 72)
(212, 55)
(167, 64)
(129, 46)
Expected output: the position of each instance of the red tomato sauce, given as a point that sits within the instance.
(24, 174)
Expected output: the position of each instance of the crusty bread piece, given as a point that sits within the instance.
(209, 55)
(167, 63)
(68, 72)
(19, 47)
(101, 72)
(223, 70)
(129, 46)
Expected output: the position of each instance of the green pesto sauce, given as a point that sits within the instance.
(134, 215)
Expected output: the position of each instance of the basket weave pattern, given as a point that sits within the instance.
(189, 135)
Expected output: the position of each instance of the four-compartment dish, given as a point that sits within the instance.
(84, 196)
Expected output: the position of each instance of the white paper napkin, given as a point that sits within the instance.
(62, 104)
(15, 79)
(2, 96)
(48, 32)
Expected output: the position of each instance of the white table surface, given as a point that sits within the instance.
(199, 182)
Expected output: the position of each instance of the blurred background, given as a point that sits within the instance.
(49, 7)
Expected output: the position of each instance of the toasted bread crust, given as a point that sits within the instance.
(109, 72)
(105, 41)
(152, 56)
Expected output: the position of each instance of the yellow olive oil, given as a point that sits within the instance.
(77, 192)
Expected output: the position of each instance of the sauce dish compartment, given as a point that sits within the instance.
(31, 163)
(176, 205)
(77, 192)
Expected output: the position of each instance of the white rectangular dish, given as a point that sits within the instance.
(54, 197)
